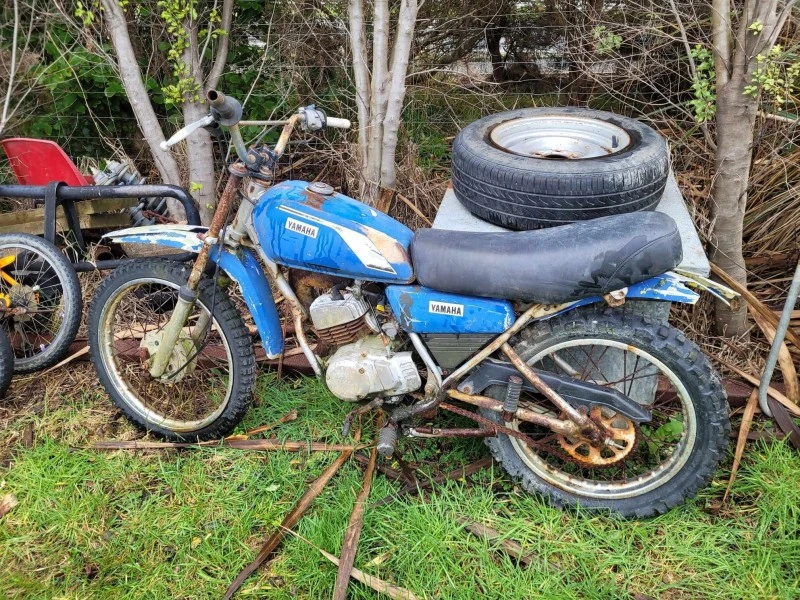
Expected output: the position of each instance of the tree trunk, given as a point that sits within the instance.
(131, 76)
(380, 94)
(378, 100)
(199, 146)
(397, 92)
(735, 120)
(358, 46)
(494, 35)
(735, 63)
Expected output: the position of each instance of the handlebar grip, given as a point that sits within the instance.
(185, 132)
(338, 123)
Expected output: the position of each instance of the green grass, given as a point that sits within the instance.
(180, 524)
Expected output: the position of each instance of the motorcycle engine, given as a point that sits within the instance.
(363, 365)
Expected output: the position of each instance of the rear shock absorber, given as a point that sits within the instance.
(511, 402)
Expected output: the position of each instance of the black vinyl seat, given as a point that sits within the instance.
(549, 266)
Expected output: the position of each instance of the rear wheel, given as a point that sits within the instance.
(644, 469)
(209, 380)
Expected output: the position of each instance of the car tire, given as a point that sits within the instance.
(541, 167)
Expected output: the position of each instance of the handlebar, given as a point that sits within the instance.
(227, 111)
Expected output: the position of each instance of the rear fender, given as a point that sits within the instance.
(242, 267)
(719, 291)
(668, 287)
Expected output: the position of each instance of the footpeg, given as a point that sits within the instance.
(387, 440)
(511, 402)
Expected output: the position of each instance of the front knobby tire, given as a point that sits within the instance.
(125, 302)
(703, 442)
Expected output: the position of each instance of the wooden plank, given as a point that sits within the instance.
(84, 207)
(103, 221)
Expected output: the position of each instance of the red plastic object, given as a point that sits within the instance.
(38, 162)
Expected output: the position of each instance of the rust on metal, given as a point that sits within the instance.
(623, 437)
(389, 247)
(220, 214)
(463, 432)
(313, 199)
(549, 392)
(304, 284)
(562, 426)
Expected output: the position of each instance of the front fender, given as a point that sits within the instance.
(245, 270)
(183, 237)
(242, 267)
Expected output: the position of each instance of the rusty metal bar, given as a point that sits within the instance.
(534, 312)
(463, 432)
(567, 428)
(543, 388)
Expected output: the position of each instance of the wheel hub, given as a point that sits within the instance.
(23, 300)
(183, 352)
(620, 440)
(560, 137)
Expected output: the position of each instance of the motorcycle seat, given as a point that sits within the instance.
(549, 266)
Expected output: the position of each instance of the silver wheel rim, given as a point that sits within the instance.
(614, 490)
(106, 337)
(557, 137)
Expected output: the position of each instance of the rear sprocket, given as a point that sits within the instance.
(622, 441)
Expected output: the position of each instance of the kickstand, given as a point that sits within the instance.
(348, 420)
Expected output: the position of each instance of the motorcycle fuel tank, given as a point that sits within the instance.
(307, 226)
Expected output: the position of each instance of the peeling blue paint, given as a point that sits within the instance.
(242, 267)
(183, 237)
(331, 234)
(422, 310)
(245, 270)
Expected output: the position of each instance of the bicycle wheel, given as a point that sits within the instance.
(40, 301)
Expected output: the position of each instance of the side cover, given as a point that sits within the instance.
(331, 234)
(423, 310)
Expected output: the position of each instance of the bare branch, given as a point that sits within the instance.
(12, 69)
(221, 59)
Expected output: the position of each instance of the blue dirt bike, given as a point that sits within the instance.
(530, 335)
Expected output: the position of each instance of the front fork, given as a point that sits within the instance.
(187, 296)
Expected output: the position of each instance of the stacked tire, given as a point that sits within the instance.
(542, 167)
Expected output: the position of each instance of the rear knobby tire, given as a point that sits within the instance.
(681, 356)
(230, 327)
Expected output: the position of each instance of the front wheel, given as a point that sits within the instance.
(209, 380)
(644, 469)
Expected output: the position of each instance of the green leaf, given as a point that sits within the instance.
(669, 431)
